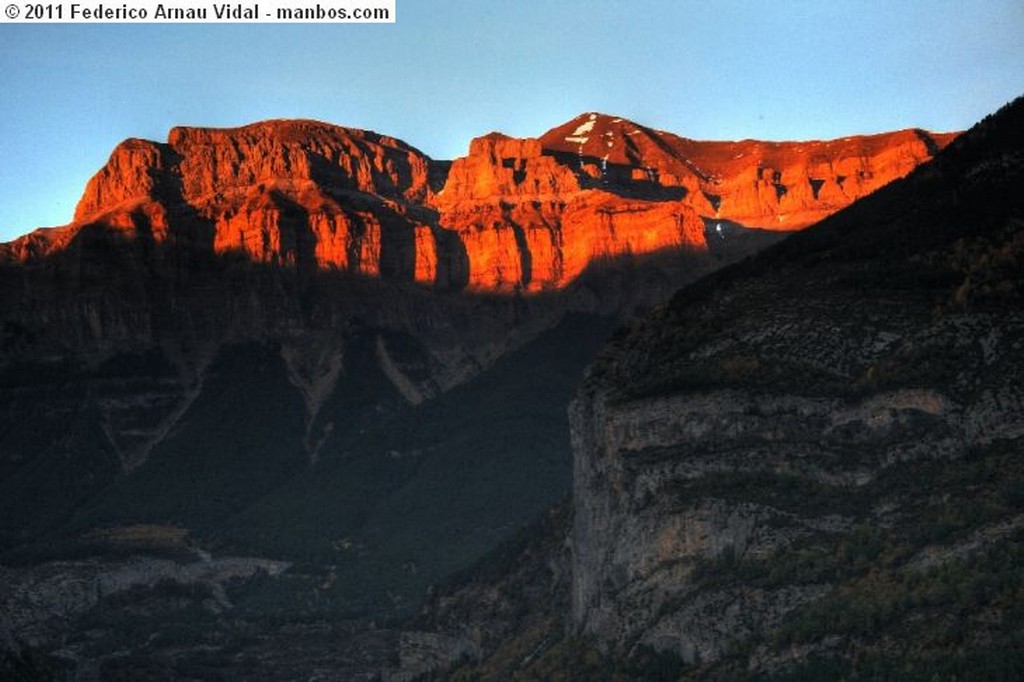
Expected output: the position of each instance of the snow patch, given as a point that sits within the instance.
(577, 140)
(584, 127)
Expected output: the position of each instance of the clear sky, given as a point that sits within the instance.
(449, 70)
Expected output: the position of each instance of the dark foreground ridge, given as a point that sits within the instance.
(809, 465)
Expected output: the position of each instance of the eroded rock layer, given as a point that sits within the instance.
(512, 215)
(795, 444)
(771, 185)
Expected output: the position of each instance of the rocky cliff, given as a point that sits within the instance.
(297, 193)
(315, 344)
(228, 235)
(515, 214)
(773, 185)
(529, 221)
(810, 462)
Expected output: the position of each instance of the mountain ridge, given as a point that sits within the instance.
(765, 466)
(515, 214)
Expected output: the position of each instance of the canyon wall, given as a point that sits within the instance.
(523, 215)
(757, 462)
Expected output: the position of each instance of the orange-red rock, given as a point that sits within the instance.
(298, 193)
(774, 185)
(530, 222)
(130, 175)
(513, 215)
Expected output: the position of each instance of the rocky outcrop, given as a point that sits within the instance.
(296, 193)
(252, 333)
(772, 185)
(773, 450)
(529, 223)
(514, 215)
(41, 602)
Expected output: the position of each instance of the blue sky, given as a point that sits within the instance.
(449, 70)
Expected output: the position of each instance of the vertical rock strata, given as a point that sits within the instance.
(771, 185)
(513, 215)
(530, 222)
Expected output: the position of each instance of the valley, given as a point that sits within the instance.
(295, 399)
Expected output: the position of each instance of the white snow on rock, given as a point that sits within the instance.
(584, 128)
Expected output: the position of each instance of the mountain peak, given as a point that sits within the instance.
(772, 185)
(515, 214)
(592, 133)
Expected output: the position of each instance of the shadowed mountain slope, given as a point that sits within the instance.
(809, 463)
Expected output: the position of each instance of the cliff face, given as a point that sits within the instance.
(295, 193)
(275, 337)
(528, 221)
(515, 214)
(769, 469)
(771, 185)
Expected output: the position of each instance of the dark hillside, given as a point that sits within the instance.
(809, 464)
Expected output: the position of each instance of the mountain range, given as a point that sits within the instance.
(292, 374)
(514, 214)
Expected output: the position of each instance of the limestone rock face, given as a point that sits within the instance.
(499, 166)
(513, 215)
(530, 222)
(770, 447)
(772, 185)
(202, 165)
(332, 157)
(131, 173)
(297, 193)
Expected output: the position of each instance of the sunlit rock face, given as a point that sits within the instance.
(529, 221)
(524, 215)
(772, 185)
(298, 193)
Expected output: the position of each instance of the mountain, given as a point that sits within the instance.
(808, 465)
(772, 185)
(292, 374)
(526, 214)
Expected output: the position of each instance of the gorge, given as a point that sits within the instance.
(276, 383)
